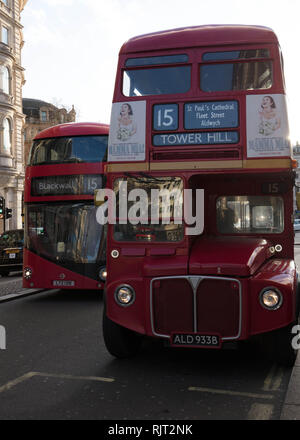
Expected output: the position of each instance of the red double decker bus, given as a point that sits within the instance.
(200, 252)
(64, 245)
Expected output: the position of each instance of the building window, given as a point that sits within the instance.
(5, 2)
(44, 116)
(6, 136)
(4, 35)
(4, 79)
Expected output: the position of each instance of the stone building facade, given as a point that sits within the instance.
(40, 115)
(11, 114)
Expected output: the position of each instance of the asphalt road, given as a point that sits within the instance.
(55, 366)
(11, 283)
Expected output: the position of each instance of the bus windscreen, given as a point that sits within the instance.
(157, 81)
(77, 149)
(236, 76)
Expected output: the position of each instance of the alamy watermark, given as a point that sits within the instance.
(296, 339)
(154, 206)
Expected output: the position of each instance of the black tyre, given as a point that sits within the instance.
(120, 341)
(282, 350)
(281, 341)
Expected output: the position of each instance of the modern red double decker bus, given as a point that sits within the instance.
(200, 251)
(64, 245)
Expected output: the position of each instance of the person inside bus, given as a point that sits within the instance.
(225, 217)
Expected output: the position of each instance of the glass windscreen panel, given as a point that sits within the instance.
(157, 81)
(77, 149)
(236, 55)
(163, 59)
(153, 209)
(254, 75)
(250, 215)
(66, 234)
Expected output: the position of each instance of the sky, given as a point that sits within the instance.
(71, 47)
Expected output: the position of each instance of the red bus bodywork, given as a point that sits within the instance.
(211, 283)
(43, 267)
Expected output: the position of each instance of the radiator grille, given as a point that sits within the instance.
(196, 304)
(173, 306)
(218, 307)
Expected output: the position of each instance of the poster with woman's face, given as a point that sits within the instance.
(126, 140)
(267, 126)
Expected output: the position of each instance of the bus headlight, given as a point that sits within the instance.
(270, 298)
(27, 273)
(124, 295)
(102, 273)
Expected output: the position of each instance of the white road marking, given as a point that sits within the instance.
(274, 378)
(231, 393)
(31, 374)
(15, 382)
(260, 411)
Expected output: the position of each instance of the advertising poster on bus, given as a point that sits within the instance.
(127, 131)
(267, 126)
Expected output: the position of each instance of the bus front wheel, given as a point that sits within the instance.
(280, 343)
(282, 350)
(120, 341)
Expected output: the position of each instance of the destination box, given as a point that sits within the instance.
(66, 185)
(204, 138)
(211, 115)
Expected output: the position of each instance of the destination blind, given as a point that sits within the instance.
(66, 185)
(216, 137)
(205, 115)
(208, 116)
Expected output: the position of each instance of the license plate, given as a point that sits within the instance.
(195, 340)
(11, 255)
(59, 283)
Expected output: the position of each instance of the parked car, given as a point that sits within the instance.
(297, 224)
(11, 251)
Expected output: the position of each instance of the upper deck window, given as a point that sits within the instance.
(69, 150)
(236, 55)
(157, 81)
(149, 61)
(253, 75)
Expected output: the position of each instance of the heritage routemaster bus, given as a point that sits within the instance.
(201, 111)
(64, 244)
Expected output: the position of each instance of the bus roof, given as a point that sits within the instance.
(73, 129)
(208, 35)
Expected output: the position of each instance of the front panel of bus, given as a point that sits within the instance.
(64, 244)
